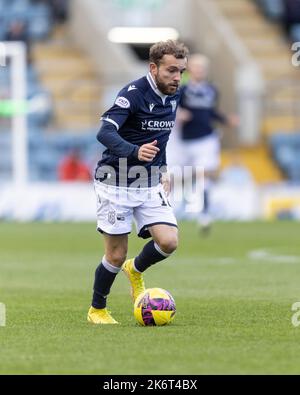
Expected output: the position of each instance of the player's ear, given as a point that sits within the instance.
(153, 68)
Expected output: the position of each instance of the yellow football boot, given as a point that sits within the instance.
(135, 278)
(100, 316)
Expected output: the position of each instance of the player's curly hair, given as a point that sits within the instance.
(169, 47)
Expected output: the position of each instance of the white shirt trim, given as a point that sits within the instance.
(156, 90)
(111, 121)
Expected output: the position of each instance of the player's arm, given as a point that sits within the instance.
(108, 136)
(183, 115)
(227, 120)
(231, 120)
(125, 105)
(112, 120)
(217, 114)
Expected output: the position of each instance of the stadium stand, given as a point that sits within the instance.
(286, 152)
(259, 24)
(70, 76)
(272, 9)
(36, 15)
(285, 147)
(284, 12)
(64, 94)
(59, 109)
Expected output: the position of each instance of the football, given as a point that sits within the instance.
(154, 307)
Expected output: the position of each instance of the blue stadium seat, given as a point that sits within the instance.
(293, 169)
(285, 149)
(40, 21)
(272, 9)
(20, 6)
(295, 32)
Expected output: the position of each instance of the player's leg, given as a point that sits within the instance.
(163, 244)
(165, 240)
(155, 218)
(176, 164)
(192, 178)
(205, 218)
(114, 221)
(106, 272)
(207, 158)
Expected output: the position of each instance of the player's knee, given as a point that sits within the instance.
(116, 258)
(168, 244)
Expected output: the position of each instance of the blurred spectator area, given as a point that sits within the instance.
(69, 74)
(37, 15)
(262, 27)
(63, 70)
(62, 89)
(46, 152)
(285, 150)
(286, 13)
(71, 65)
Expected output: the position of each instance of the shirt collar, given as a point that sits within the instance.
(154, 87)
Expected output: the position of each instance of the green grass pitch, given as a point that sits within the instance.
(234, 292)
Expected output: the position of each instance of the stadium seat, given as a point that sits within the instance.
(293, 169)
(295, 32)
(40, 22)
(285, 149)
(272, 9)
(20, 6)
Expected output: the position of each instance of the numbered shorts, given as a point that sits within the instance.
(118, 207)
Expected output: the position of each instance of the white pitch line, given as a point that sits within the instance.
(266, 255)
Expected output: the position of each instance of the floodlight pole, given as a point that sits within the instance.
(16, 51)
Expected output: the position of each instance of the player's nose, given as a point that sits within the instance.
(177, 77)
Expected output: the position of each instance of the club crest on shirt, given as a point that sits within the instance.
(122, 102)
(112, 217)
(174, 105)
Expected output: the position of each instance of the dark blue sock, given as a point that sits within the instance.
(104, 279)
(150, 255)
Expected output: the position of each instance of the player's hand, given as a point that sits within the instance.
(166, 183)
(148, 152)
(233, 121)
(184, 115)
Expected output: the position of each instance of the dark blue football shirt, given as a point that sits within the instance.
(201, 99)
(140, 115)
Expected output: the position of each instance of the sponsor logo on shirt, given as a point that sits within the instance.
(151, 107)
(157, 125)
(122, 102)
